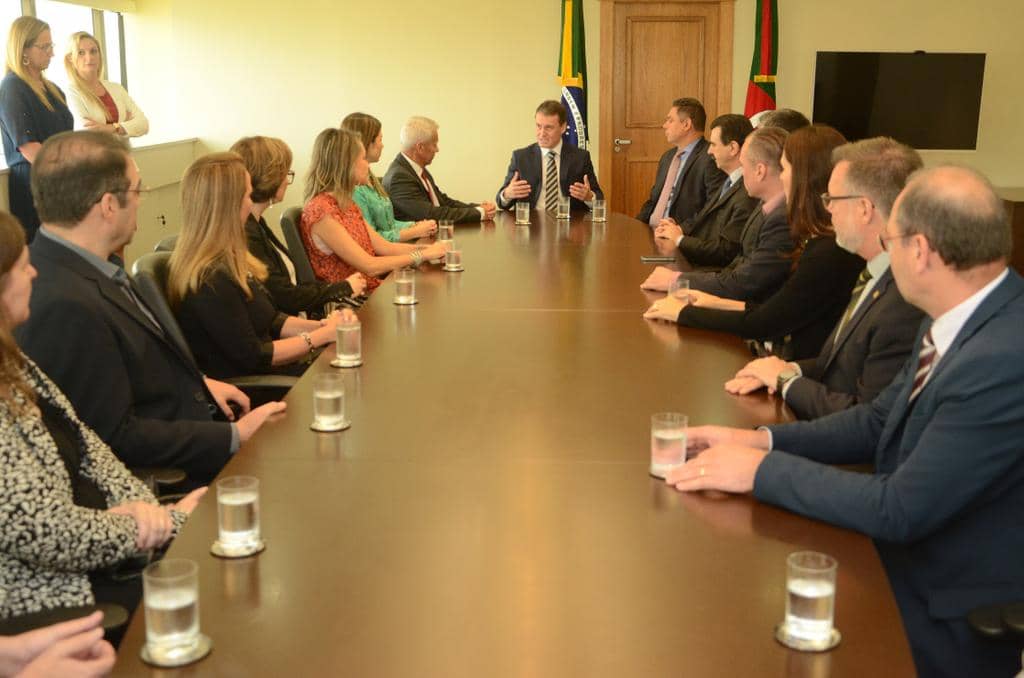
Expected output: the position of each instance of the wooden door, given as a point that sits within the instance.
(651, 54)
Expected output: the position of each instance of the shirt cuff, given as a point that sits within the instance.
(679, 240)
(785, 387)
(236, 440)
(771, 438)
(483, 214)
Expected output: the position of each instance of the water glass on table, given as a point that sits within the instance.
(453, 259)
(668, 442)
(810, 602)
(522, 212)
(171, 601)
(238, 517)
(329, 403)
(563, 207)
(348, 348)
(405, 287)
(600, 211)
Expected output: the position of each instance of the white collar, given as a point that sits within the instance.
(557, 150)
(948, 325)
(878, 265)
(735, 175)
(415, 165)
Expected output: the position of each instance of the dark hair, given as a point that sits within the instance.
(732, 127)
(74, 170)
(692, 109)
(786, 118)
(552, 107)
(809, 153)
(960, 214)
(12, 362)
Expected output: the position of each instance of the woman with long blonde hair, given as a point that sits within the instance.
(215, 285)
(371, 196)
(98, 104)
(333, 230)
(32, 109)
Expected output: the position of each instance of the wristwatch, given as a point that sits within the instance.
(785, 376)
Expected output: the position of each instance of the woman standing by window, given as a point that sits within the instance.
(98, 104)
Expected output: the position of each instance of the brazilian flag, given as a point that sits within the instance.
(572, 72)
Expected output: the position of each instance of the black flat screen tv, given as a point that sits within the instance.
(929, 101)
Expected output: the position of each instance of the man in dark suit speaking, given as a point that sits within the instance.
(687, 176)
(543, 171)
(945, 499)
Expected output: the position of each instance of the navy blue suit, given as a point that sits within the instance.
(573, 165)
(945, 504)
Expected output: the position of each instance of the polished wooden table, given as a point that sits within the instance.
(489, 513)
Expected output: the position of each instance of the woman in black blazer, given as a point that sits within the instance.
(216, 287)
(797, 319)
(269, 163)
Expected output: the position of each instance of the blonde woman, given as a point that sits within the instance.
(371, 197)
(215, 285)
(98, 104)
(333, 230)
(269, 162)
(32, 109)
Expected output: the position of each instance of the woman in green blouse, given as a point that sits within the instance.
(371, 197)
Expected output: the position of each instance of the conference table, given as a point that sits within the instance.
(490, 513)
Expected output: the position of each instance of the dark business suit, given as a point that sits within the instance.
(289, 297)
(944, 504)
(798, 317)
(126, 380)
(763, 264)
(874, 344)
(573, 165)
(698, 184)
(713, 238)
(412, 202)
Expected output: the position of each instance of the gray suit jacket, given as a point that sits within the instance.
(714, 237)
(873, 346)
(412, 202)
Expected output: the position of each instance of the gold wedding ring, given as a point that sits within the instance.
(701, 471)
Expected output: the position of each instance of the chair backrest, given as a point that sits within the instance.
(290, 228)
(167, 244)
(150, 273)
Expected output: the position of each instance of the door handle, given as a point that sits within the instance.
(623, 142)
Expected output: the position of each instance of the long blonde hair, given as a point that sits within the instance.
(212, 233)
(330, 169)
(12, 362)
(367, 127)
(74, 44)
(24, 31)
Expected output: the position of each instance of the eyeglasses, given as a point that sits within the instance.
(48, 47)
(291, 177)
(883, 241)
(827, 199)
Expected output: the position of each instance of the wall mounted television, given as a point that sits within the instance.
(926, 100)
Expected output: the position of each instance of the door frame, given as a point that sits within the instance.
(726, 30)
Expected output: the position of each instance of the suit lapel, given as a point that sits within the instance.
(722, 200)
(691, 158)
(563, 168)
(419, 182)
(876, 293)
(533, 166)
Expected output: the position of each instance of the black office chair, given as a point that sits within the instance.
(290, 228)
(150, 274)
(167, 244)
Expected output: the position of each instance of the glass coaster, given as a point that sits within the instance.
(338, 362)
(805, 645)
(405, 303)
(199, 650)
(454, 269)
(344, 425)
(221, 551)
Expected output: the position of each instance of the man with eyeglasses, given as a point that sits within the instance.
(94, 333)
(876, 333)
(946, 438)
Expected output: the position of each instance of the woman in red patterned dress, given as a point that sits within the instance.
(335, 236)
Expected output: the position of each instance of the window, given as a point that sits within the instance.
(9, 11)
(112, 50)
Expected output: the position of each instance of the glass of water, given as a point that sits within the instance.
(405, 286)
(446, 229)
(680, 288)
(453, 259)
(563, 207)
(668, 442)
(171, 600)
(810, 601)
(600, 211)
(329, 403)
(522, 212)
(238, 517)
(348, 348)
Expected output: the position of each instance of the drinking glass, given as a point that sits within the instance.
(238, 517)
(405, 286)
(563, 207)
(668, 442)
(171, 601)
(600, 211)
(522, 212)
(348, 347)
(680, 288)
(810, 601)
(329, 403)
(453, 259)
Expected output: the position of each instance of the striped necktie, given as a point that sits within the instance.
(858, 290)
(925, 362)
(551, 184)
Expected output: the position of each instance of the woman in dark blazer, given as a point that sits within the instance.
(32, 109)
(215, 285)
(269, 163)
(795, 320)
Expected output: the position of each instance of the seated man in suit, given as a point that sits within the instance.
(544, 170)
(945, 499)
(413, 192)
(92, 331)
(687, 178)
(876, 333)
(764, 263)
(712, 237)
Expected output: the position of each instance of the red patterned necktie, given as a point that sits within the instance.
(430, 191)
(925, 361)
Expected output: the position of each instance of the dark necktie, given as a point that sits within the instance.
(858, 290)
(725, 188)
(925, 362)
(122, 281)
(551, 184)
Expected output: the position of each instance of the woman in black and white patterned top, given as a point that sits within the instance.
(68, 507)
